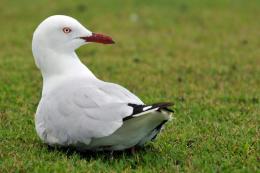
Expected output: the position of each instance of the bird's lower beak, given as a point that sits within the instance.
(98, 38)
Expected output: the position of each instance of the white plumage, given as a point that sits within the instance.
(76, 108)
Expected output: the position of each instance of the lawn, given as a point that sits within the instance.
(202, 55)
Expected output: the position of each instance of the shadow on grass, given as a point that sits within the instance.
(103, 155)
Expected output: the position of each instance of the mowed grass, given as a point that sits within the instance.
(202, 55)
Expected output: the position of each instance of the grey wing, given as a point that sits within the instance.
(120, 93)
(76, 113)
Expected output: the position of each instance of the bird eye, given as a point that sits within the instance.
(66, 30)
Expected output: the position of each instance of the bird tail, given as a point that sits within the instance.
(153, 116)
(143, 125)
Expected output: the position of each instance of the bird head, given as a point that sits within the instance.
(63, 34)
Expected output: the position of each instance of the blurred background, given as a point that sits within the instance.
(202, 55)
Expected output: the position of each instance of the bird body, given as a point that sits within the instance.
(76, 108)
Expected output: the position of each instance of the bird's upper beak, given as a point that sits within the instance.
(98, 38)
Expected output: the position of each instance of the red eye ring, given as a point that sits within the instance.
(66, 30)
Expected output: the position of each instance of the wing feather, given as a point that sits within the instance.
(80, 110)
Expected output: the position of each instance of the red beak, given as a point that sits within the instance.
(98, 38)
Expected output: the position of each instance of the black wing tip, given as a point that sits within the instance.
(160, 104)
(140, 108)
(163, 104)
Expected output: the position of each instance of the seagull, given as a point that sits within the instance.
(76, 108)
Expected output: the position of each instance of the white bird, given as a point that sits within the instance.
(77, 109)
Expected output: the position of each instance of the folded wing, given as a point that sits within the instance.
(76, 112)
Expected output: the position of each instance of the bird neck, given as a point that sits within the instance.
(57, 67)
(62, 64)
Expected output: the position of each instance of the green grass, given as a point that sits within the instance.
(202, 55)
